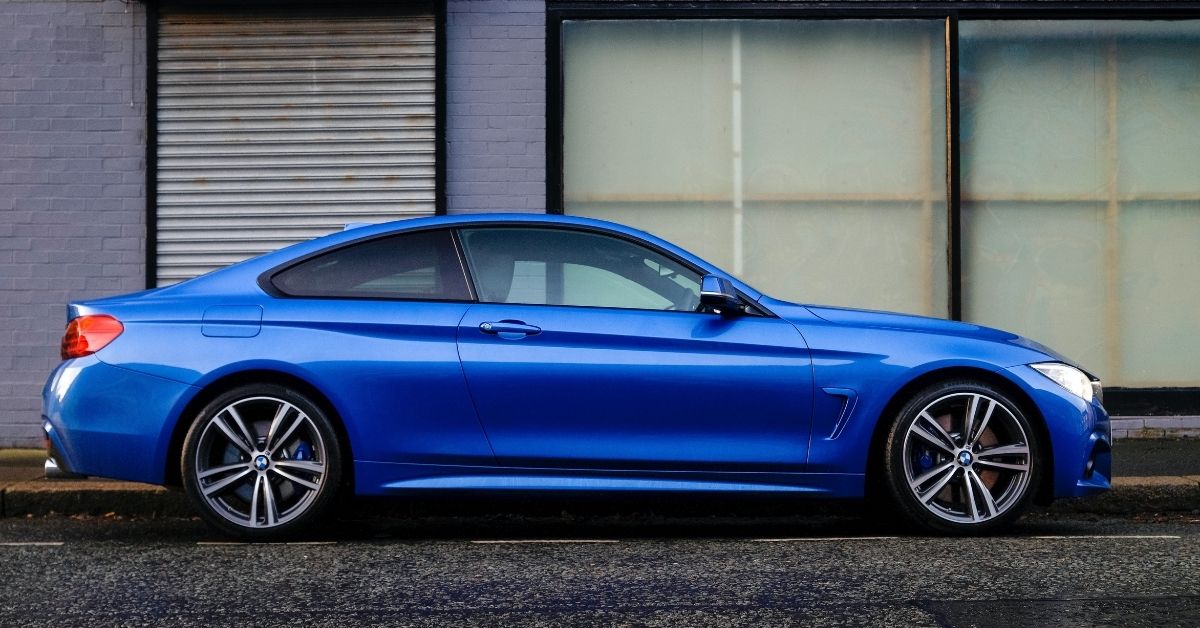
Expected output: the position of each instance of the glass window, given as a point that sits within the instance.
(565, 267)
(808, 157)
(422, 265)
(1081, 190)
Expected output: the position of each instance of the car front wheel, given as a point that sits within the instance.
(261, 462)
(961, 458)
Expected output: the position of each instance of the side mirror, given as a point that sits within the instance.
(719, 294)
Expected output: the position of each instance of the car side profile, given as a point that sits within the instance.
(511, 352)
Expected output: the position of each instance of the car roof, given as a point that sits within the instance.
(494, 217)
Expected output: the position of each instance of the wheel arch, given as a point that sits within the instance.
(172, 473)
(1044, 491)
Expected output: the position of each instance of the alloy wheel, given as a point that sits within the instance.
(260, 462)
(967, 458)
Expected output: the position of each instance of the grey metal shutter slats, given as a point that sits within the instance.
(273, 130)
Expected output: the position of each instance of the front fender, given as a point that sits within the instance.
(844, 426)
(876, 363)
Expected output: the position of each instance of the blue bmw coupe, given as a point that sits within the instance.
(547, 353)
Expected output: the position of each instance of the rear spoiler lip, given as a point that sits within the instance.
(75, 310)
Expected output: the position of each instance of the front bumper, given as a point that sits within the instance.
(111, 422)
(1080, 436)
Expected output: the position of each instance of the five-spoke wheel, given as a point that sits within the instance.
(962, 458)
(261, 461)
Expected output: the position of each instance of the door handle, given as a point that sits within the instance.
(509, 329)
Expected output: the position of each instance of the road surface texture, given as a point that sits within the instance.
(607, 569)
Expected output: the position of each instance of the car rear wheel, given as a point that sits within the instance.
(261, 462)
(961, 458)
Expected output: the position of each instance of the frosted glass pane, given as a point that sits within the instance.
(1160, 294)
(1033, 119)
(1082, 137)
(868, 257)
(1159, 116)
(648, 110)
(1035, 269)
(690, 128)
(844, 108)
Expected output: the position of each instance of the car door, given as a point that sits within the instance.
(372, 324)
(587, 351)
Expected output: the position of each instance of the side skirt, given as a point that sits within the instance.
(383, 478)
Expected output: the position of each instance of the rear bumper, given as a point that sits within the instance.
(56, 465)
(1080, 436)
(107, 421)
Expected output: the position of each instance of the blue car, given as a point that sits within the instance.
(511, 352)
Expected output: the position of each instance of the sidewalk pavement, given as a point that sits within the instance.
(1150, 476)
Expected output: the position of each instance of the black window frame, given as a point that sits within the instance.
(1125, 401)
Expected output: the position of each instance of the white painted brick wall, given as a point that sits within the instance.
(496, 105)
(72, 173)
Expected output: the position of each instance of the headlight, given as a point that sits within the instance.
(1068, 377)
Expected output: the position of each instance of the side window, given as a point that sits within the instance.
(420, 265)
(544, 266)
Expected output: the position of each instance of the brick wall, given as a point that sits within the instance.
(72, 204)
(496, 105)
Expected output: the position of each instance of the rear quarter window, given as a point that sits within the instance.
(422, 265)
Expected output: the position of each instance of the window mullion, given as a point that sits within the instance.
(953, 174)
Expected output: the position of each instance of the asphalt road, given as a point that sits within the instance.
(593, 570)
(1143, 457)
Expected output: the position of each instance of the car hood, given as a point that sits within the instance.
(907, 322)
(851, 317)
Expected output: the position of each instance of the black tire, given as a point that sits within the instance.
(262, 491)
(936, 487)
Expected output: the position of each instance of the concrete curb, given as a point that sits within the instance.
(100, 497)
(91, 497)
(1155, 427)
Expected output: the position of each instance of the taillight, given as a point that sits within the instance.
(88, 334)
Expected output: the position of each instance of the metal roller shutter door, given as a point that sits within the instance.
(273, 130)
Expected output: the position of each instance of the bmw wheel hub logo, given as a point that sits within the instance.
(965, 458)
(261, 463)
